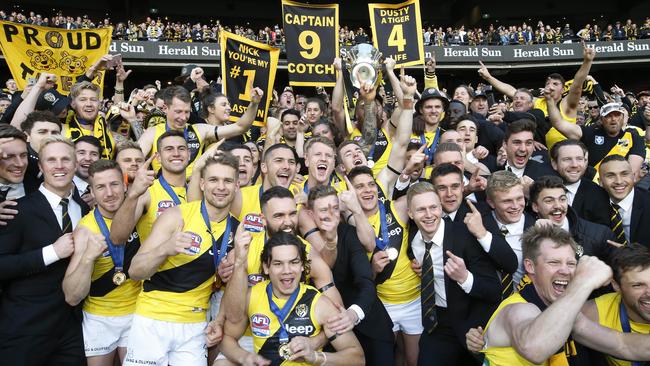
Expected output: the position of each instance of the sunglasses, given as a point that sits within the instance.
(593, 107)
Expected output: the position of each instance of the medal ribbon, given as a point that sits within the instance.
(170, 191)
(305, 188)
(431, 149)
(382, 242)
(625, 326)
(116, 251)
(281, 314)
(218, 253)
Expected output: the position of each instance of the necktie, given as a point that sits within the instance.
(506, 278)
(616, 224)
(428, 292)
(3, 193)
(66, 223)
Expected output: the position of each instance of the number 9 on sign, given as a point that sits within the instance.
(310, 42)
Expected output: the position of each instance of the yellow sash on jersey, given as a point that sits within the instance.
(622, 147)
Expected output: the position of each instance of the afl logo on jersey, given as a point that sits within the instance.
(195, 247)
(260, 325)
(163, 205)
(254, 279)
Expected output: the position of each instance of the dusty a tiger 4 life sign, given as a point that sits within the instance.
(30, 50)
(397, 31)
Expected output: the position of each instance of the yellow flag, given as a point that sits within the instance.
(30, 50)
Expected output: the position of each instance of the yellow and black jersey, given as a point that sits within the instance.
(105, 298)
(381, 151)
(72, 129)
(553, 136)
(609, 315)
(250, 200)
(338, 184)
(430, 139)
(264, 325)
(180, 290)
(159, 201)
(398, 283)
(194, 144)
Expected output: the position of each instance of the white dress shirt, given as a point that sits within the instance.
(515, 230)
(437, 257)
(16, 191)
(572, 190)
(518, 172)
(625, 210)
(81, 184)
(74, 211)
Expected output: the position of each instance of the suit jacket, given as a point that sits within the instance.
(591, 202)
(639, 225)
(591, 236)
(32, 301)
(353, 278)
(474, 308)
(500, 251)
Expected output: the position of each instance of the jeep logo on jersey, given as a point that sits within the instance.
(195, 247)
(299, 330)
(163, 205)
(260, 325)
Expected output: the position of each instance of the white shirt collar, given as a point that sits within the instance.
(52, 198)
(565, 224)
(626, 203)
(573, 187)
(515, 227)
(438, 237)
(81, 184)
(16, 190)
(518, 172)
(451, 215)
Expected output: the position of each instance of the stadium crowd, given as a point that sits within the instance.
(165, 29)
(417, 226)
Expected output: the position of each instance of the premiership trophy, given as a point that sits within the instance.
(363, 62)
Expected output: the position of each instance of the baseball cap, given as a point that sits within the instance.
(609, 108)
(480, 94)
(185, 72)
(52, 100)
(431, 93)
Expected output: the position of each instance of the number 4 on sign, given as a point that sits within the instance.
(250, 78)
(396, 38)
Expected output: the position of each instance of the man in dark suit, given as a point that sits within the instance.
(459, 287)
(519, 147)
(588, 199)
(549, 201)
(37, 326)
(13, 165)
(505, 195)
(629, 205)
(353, 278)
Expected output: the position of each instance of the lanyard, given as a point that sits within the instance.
(169, 189)
(261, 191)
(116, 251)
(625, 325)
(281, 314)
(184, 131)
(431, 149)
(384, 241)
(218, 253)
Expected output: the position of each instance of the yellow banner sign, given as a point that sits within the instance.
(245, 63)
(30, 50)
(397, 31)
(312, 38)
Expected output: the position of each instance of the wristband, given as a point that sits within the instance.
(393, 170)
(333, 337)
(119, 91)
(347, 219)
(309, 232)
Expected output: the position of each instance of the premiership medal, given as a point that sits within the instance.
(371, 164)
(392, 253)
(119, 278)
(284, 351)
